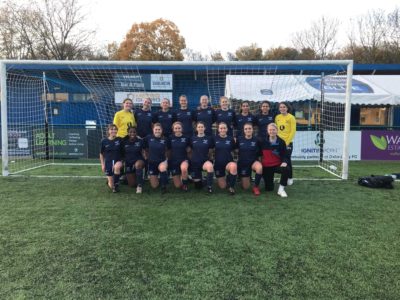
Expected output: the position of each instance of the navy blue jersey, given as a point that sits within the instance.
(249, 149)
(132, 150)
(241, 120)
(262, 122)
(144, 121)
(228, 117)
(178, 146)
(157, 148)
(166, 119)
(223, 149)
(186, 117)
(207, 116)
(200, 147)
(111, 149)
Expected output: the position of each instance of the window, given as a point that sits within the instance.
(373, 116)
(55, 97)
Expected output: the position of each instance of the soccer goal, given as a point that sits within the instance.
(56, 112)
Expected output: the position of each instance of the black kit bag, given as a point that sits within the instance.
(376, 181)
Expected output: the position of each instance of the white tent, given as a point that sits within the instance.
(366, 89)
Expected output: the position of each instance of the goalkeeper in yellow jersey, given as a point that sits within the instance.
(124, 118)
(286, 131)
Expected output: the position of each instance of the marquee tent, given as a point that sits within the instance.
(366, 89)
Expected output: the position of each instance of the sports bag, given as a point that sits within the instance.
(376, 181)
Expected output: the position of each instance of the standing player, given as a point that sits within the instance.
(166, 117)
(274, 160)
(226, 115)
(224, 146)
(156, 147)
(124, 118)
(249, 152)
(110, 157)
(134, 161)
(185, 116)
(178, 163)
(286, 123)
(201, 145)
(205, 114)
(263, 119)
(244, 117)
(144, 118)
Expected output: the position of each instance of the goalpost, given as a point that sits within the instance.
(56, 112)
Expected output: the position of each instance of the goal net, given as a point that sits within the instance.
(55, 113)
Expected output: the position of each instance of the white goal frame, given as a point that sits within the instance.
(347, 63)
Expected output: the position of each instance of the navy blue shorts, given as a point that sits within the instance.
(220, 168)
(196, 169)
(174, 167)
(109, 164)
(153, 168)
(244, 168)
(130, 166)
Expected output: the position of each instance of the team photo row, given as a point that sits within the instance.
(197, 146)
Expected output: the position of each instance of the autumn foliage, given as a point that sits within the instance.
(157, 40)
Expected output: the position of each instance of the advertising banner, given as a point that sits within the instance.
(138, 97)
(19, 142)
(142, 82)
(380, 145)
(63, 143)
(306, 145)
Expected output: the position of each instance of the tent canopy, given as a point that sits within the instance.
(366, 89)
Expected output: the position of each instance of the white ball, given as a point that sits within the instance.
(332, 167)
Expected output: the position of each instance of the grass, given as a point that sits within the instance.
(72, 238)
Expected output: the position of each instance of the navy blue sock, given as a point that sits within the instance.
(139, 176)
(116, 178)
(257, 180)
(210, 178)
(231, 180)
(185, 181)
(163, 178)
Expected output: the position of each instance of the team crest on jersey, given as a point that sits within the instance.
(253, 144)
(137, 144)
(229, 114)
(227, 142)
(205, 141)
(209, 112)
(183, 140)
(162, 141)
(188, 113)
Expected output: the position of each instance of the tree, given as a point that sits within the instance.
(157, 40)
(281, 53)
(320, 37)
(252, 52)
(192, 55)
(44, 29)
(216, 56)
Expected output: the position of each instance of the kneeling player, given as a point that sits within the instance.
(110, 157)
(224, 145)
(134, 161)
(249, 152)
(200, 157)
(178, 164)
(156, 146)
(274, 160)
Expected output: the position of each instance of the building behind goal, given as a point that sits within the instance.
(56, 112)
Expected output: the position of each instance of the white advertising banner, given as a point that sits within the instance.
(138, 97)
(306, 145)
(161, 82)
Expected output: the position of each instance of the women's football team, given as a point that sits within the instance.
(165, 143)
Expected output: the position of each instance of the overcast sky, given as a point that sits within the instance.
(226, 25)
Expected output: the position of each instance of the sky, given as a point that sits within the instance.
(225, 25)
